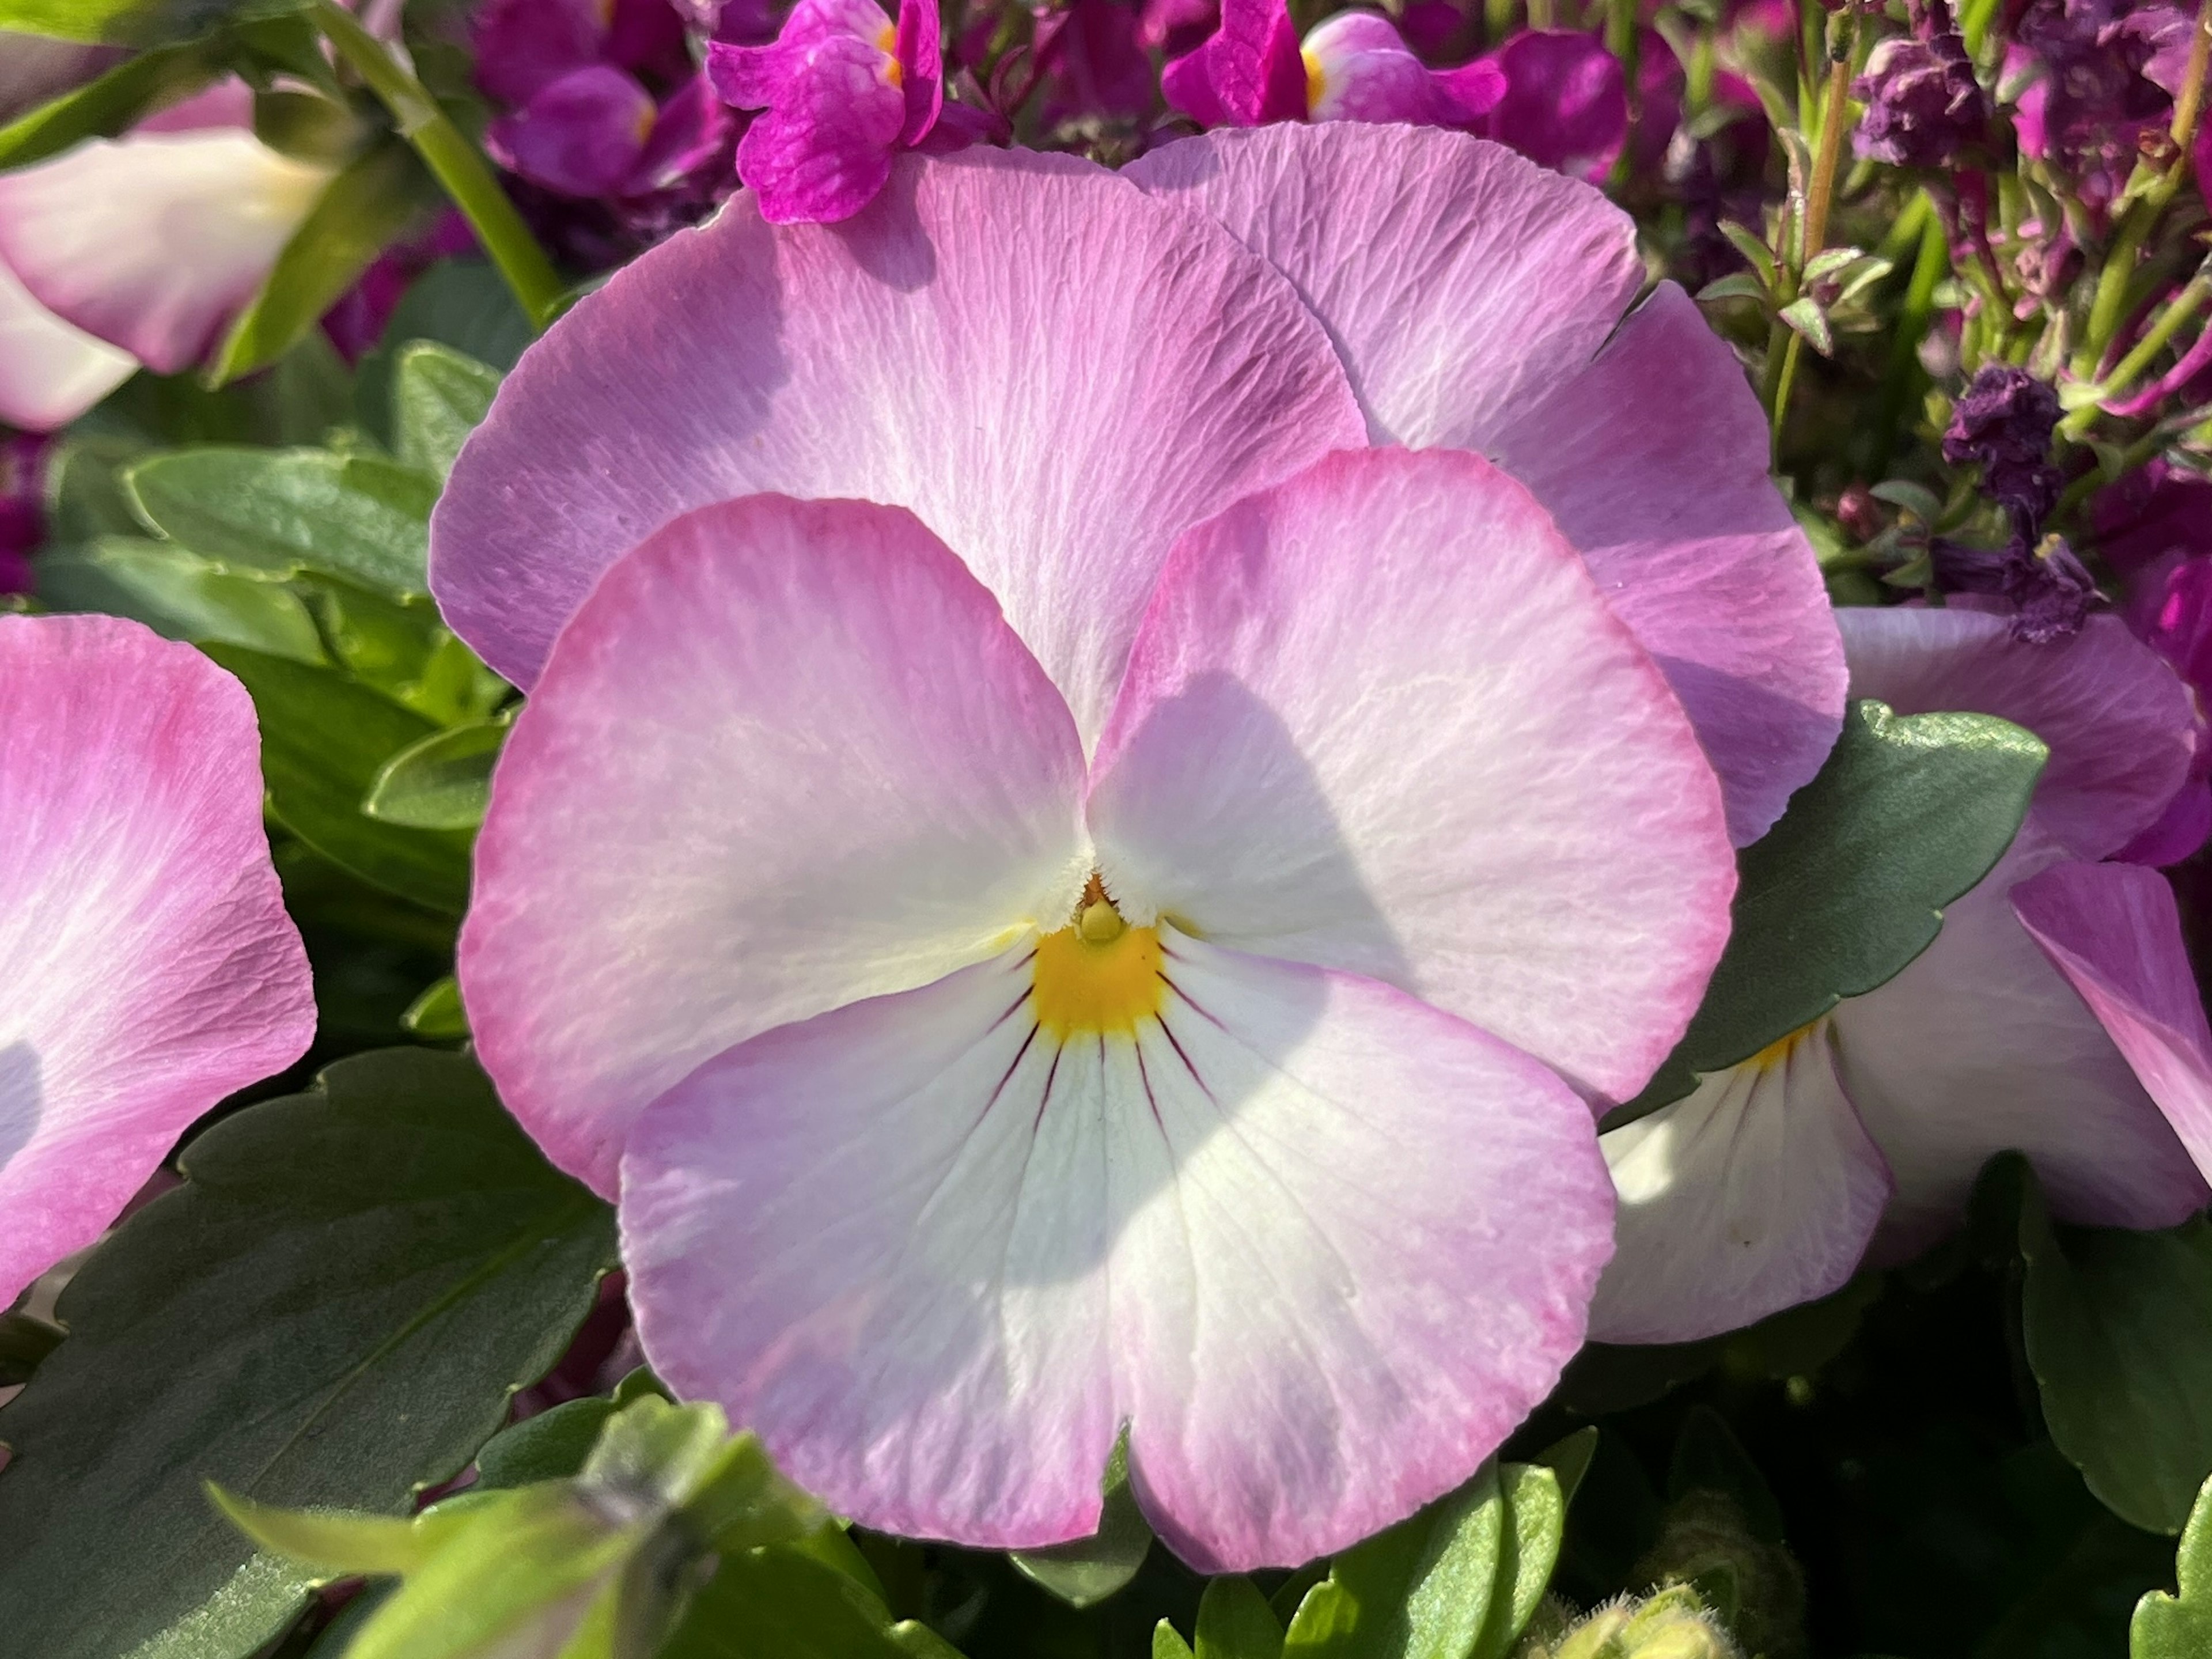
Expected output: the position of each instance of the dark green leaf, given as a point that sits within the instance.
(443, 782)
(324, 739)
(366, 208)
(784, 1602)
(403, 649)
(134, 22)
(1708, 1457)
(550, 1446)
(307, 126)
(1235, 1622)
(105, 107)
(1849, 887)
(1086, 1571)
(179, 595)
(25, 1340)
(279, 512)
(2119, 1331)
(331, 1311)
(439, 396)
(2180, 1627)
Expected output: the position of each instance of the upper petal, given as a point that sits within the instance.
(1357, 68)
(1379, 719)
(822, 151)
(149, 966)
(1979, 1047)
(1317, 1245)
(154, 242)
(51, 371)
(2112, 930)
(2115, 717)
(1474, 298)
(788, 755)
(1057, 374)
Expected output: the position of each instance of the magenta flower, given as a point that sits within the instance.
(1026, 861)
(842, 90)
(139, 250)
(1765, 1187)
(1924, 105)
(1566, 101)
(150, 967)
(1354, 66)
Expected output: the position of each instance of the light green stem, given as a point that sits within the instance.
(2179, 310)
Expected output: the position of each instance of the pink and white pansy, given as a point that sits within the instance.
(1069, 883)
(150, 969)
(2055, 1014)
(138, 251)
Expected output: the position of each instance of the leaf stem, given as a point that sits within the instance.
(456, 163)
(2177, 310)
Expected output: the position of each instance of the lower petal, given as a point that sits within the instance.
(1755, 1193)
(1318, 1245)
(2112, 930)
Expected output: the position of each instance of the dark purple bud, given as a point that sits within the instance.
(1923, 106)
(2003, 420)
(2050, 590)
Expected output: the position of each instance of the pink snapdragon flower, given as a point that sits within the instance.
(1123, 869)
(150, 967)
(139, 250)
(842, 91)
(1354, 66)
(1766, 1185)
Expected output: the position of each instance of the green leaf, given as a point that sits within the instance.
(1235, 1622)
(437, 1016)
(1806, 317)
(109, 104)
(332, 1540)
(439, 396)
(403, 649)
(25, 1342)
(782, 1602)
(1085, 1571)
(179, 595)
(2118, 1326)
(1908, 813)
(331, 1311)
(2180, 1627)
(276, 513)
(1747, 242)
(324, 739)
(1168, 1642)
(134, 22)
(550, 1446)
(371, 204)
(1535, 1526)
(442, 782)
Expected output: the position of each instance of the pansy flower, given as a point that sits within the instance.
(150, 969)
(1019, 870)
(841, 90)
(1765, 1186)
(139, 250)
(1354, 66)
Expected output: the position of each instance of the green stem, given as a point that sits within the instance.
(1929, 266)
(456, 163)
(2177, 311)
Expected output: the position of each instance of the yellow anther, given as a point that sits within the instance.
(1100, 923)
(1099, 975)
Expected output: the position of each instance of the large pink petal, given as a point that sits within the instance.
(154, 242)
(788, 756)
(1380, 720)
(1318, 1245)
(2115, 717)
(2112, 930)
(1475, 297)
(1057, 374)
(150, 969)
(1979, 1047)
(1757, 1192)
(50, 372)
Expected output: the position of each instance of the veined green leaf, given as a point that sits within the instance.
(439, 396)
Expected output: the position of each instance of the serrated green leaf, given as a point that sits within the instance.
(324, 739)
(2117, 1328)
(1235, 1622)
(1806, 316)
(1907, 814)
(439, 396)
(369, 205)
(442, 782)
(109, 104)
(2180, 1627)
(1086, 1571)
(134, 22)
(276, 513)
(330, 1311)
(179, 595)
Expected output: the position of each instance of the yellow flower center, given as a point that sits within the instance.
(1099, 975)
(1317, 82)
(1776, 1053)
(887, 43)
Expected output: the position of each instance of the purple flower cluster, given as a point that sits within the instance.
(1923, 106)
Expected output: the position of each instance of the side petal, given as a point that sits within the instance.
(1318, 1245)
(921, 68)
(1056, 374)
(1757, 1192)
(152, 243)
(788, 755)
(1357, 68)
(1474, 298)
(1566, 102)
(821, 151)
(1380, 720)
(150, 967)
(50, 371)
(2114, 715)
(1979, 1047)
(2112, 930)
